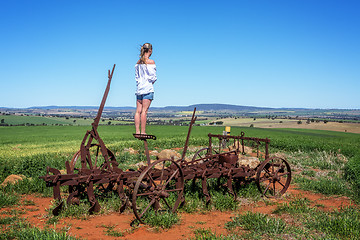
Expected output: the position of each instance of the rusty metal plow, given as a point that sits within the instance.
(160, 185)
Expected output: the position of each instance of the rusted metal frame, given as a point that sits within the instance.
(242, 138)
(95, 206)
(98, 116)
(238, 172)
(210, 157)
(84, 150)
(238, 137)
(85, 154)
(122, 195)
(220, 143)
(267, 149)
(147, 152)
(103, 150)
(75, 179)
(258, 143)
(193, 119)
(229, 183)
(144, 138)
(210, 145)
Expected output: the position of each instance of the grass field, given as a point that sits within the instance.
(334, 155)
(26, 141)
(14, 120)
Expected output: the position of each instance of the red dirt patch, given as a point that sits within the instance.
(95, 226)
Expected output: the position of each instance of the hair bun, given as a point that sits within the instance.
(146, 46)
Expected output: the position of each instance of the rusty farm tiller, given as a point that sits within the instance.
(159, 186)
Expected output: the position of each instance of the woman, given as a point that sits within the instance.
(145, 76)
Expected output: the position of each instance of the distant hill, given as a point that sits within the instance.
(80, 107)
(199, 107)
(212, 109)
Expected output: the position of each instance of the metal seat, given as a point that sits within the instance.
(144, 136)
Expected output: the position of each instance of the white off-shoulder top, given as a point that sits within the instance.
(145, 76)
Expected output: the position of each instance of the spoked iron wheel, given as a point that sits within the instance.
(273, 177)
(96, 163)
(96, 157)
(159, 188)
(202, 153)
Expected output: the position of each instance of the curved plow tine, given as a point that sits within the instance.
(230, 187)
(95, 206)
(205, 190)
(122, 195)
(56, 211)
(56, 190)
(71, 199)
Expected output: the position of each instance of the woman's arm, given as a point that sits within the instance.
(151, 73)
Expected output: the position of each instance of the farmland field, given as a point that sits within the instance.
(14, 120)
(329, 159)
(352, 127)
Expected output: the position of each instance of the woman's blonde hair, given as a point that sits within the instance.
(144, 49)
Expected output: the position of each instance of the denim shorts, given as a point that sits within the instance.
(149, 96)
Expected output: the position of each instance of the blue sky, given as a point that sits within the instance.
(299, 53)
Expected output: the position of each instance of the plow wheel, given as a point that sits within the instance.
(273, 177)
(202, 153)
(98, 163)
(97, 159)
(159, 188)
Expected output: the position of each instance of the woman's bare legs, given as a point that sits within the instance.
(137, 116)
(145, 107)
(142, 107)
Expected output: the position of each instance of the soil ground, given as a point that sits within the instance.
(96, 225)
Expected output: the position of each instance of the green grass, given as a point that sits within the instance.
(36, 120)
(325, 185)
(221, 199)
(18, 228)
(8, 199)
(27, 186)
(352, 175)
(28, 150)
(207, 234)
(8, 220)
(258, 223)
(111, 231)
(163, 220)
(16, 120)
(339, 224)
(317, 224)
(295, 206)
